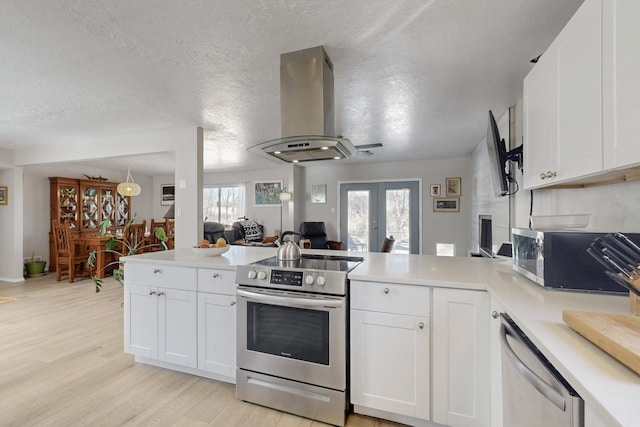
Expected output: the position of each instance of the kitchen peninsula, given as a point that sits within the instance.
(205, 286)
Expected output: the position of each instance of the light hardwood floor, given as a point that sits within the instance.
(62, 364)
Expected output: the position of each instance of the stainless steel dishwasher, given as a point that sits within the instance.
(534, 393)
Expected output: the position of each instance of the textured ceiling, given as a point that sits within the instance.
(417, 76)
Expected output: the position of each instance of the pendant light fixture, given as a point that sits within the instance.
(129, 188)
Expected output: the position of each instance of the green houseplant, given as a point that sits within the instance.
(122, 247)
(33, 267)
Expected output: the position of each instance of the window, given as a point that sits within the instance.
(223, 204)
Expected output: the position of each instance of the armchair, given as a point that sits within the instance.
(213, 231)
(316, 234)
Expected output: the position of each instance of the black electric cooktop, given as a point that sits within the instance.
(315, 262)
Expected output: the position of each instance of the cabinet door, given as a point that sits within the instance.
(579, 77)
(90, 219)
(496, 364)
(177, 320)
(143, 322)
(540, 121)
(461, 357)
(390, 363)
(217, 334)
(563, 104)
(123, 209)
(108, 204)
(621, 89)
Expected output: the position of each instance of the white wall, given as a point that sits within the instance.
(436, 227)
(11, 225)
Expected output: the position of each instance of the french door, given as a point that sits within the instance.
(371, 211)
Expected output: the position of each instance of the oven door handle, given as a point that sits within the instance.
(291, 301)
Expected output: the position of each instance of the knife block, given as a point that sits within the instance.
(633, 298)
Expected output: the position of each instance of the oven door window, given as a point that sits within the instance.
(296, 333)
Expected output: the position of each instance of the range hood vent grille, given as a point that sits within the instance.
(307, 111)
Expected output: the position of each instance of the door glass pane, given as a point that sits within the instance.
(358, 221)
(398, 218)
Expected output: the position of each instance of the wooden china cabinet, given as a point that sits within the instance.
(84, 204)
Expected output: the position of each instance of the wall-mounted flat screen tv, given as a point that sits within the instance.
(498, 158)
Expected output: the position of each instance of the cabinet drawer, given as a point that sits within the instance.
(217, 281)
(391, 298)
(161, 275)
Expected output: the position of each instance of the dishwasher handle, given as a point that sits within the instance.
(536, 382)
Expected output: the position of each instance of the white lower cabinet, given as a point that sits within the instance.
(162, 324)
(217, 323)
(160, 313)
(217, 334)
(460, 357)
(390, 349)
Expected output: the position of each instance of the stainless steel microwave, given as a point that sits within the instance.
(559, 260)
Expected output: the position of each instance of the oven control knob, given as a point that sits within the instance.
(262, 275)
(309, 279)
(321, 280)
(252, 274)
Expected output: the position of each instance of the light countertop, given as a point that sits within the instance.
(607, 386)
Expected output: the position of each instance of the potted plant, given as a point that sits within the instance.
(122, 247)
(33, 267)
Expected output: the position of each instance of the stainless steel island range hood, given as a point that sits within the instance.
(307, 113)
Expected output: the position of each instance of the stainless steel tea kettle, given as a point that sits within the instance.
(288, 250)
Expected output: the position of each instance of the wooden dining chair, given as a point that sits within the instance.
(388, 243)
(134, 238)
(154, 242)
(67, 261)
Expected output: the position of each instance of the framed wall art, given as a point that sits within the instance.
(168, 194)
(4, 195)
(435, 190)
(319, 193)
(453, 186)
(449, 204)
(266, 193)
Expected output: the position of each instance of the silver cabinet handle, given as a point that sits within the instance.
(421, 325)
(160, 293)
(495, 314)
(152, 292)
(551, 174)
(543, 175)
(386, 290)
(156, 270)
(233, 303)
(215, 275)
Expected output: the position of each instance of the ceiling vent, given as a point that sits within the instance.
(307, 111)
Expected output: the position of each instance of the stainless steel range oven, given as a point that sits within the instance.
(292, 335)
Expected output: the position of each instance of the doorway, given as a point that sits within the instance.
(371, 211)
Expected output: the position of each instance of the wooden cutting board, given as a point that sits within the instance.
(617, 334)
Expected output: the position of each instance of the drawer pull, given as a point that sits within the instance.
(156, 270)
(421, 325)
(233, 303)
(215, 275)
(543, 175)
(160, 293)
(152, 292)
(386, 290)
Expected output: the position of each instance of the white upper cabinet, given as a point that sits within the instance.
(540, 122)
(621, 85)
(563, 104)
